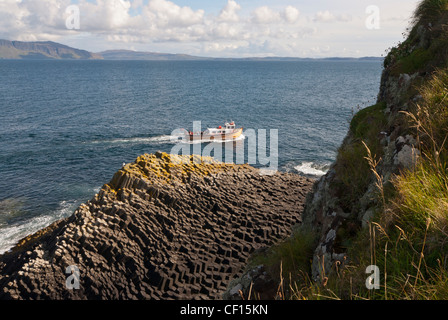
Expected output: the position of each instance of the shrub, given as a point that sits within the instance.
(353, 173)
(412, 63)
(429, 11)
(368, 122)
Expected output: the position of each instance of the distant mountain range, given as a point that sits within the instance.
(45, 50)
(138, 55)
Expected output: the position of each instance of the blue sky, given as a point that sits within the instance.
(220, 28)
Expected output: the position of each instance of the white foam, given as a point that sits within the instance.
(96, 189)
(173, 139)
(164, 138)
(157, 139)
(11, 234)
(309, 168)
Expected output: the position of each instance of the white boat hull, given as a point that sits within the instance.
(203, 136)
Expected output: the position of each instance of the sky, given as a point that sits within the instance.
(213, 28)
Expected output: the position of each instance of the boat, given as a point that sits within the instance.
(226, 133)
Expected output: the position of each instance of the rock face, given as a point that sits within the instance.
(324, 212)
(398, 149)
(163, 228)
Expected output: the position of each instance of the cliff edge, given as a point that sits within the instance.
(164, 227)
(383, 201)
(375, 226)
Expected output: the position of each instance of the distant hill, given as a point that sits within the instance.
(42, 50)
(305, 59)
(139, 55)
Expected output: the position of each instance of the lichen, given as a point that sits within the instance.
(162, 168)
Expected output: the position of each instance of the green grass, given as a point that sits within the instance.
(285, 260)
(431, 116)
(430, 16)
(408, 238)
(414, 62)
(363, 121)
(423, 195)
(353, 173)
(295, 253)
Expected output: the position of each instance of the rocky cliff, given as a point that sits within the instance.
(164, 227)
(383, 203)
(354, 190)
(161, 229)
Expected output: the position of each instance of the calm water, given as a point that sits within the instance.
(67, 126)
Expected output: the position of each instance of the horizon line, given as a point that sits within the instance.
(199, 57)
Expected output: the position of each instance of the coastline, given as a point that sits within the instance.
(158, 230)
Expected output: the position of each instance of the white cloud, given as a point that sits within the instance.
(170, 14)
(10, 17)
(229, 12)
(136, 4)
(29, 20)
(265, 15)
(225, 31)
(324, 16)
(327, 16)
(320, 49)
(104, 15)
(223, 46)
(291, 14)
(235, 29)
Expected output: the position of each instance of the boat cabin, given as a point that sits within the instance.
(220, 130)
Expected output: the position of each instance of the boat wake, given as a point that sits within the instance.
(136, 140)
(162, 139)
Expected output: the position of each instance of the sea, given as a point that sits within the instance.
(67, 126)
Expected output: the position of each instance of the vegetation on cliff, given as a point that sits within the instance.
(384, 202)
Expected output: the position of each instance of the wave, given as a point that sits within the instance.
(312, 169)
(11, 234)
